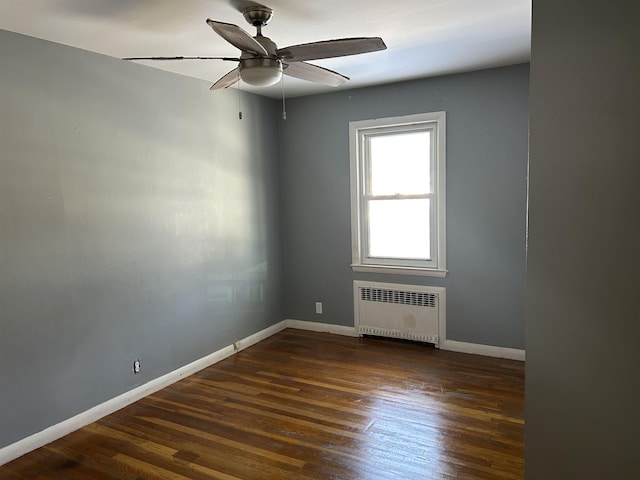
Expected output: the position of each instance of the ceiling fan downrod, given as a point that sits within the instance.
(257, 15)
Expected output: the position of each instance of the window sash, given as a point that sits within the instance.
(425, 156)
(361, 133)
(365, 159)
(406, 234)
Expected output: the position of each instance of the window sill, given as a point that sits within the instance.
(421, 272)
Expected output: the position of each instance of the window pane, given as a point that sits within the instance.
(400, 229)
(400, 163)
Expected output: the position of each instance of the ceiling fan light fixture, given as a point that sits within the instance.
(260, 72)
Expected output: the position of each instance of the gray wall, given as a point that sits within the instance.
(138, 219)
(487, 129)
(583, 314)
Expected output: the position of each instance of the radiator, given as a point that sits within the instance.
(409, 312)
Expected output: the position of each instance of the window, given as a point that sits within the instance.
(398, 194)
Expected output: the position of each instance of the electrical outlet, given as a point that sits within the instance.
(319, 307)
(136, 366)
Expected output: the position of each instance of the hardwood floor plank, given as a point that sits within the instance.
(306, 405)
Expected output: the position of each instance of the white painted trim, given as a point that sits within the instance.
(358, 130)
(259, 336)
(59, 430)
(450, 345)
(476, 348)
(322, 327)
(54, 432)
(486, 350)
(420, 272)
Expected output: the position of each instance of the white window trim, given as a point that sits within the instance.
(356, 128)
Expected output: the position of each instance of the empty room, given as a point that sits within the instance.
(319, 240)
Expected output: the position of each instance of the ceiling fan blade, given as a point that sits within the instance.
(330, 48)
(314, 73)
(237, 37)
(183, 58)
(241, 5)
(227, 80)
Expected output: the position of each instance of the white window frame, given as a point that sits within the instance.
(358, 133)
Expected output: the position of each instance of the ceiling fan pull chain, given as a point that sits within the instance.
(284, 107)
(239, 106)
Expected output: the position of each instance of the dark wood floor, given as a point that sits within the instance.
(303, 405)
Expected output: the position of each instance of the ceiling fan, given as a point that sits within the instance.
(262, 63)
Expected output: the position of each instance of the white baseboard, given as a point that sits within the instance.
(322, 327)
(258, 337)
(451, 345)
(48, 435)
(59, 430)
(486, 350)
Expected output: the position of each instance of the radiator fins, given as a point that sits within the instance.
(402, 297)
(403, 335)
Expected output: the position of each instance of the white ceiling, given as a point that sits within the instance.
(424, 37)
